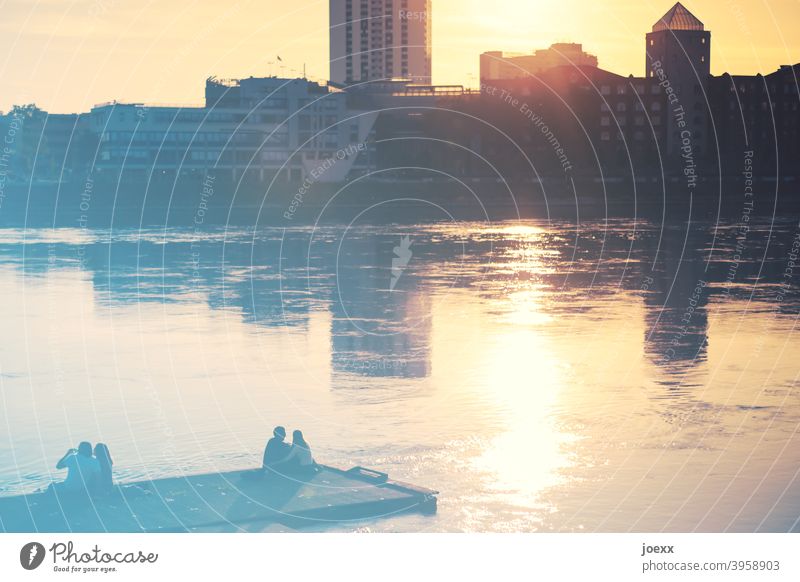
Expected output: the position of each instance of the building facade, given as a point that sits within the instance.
(259, 128)
(374, 40)
(755, 122)
(616, 124)
(500, 65)
(678, 53)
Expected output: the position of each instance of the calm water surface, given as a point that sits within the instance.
(611, 375)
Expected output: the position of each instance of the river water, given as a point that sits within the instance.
(542, 376)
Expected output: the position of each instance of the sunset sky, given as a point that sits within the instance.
(66, 55)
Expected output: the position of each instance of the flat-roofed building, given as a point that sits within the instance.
(756, 121)
(496, 65)
(261, 127)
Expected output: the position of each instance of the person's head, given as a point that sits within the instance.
(102, 453)
(85, 449)
(279, 432)
(297, 439)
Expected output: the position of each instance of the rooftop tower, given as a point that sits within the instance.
(680, 46)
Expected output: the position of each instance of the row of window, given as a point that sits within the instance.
(184, 116)
(763, 106)
(684, 41)
(156, 138)
(227, 155)
(621, 106)
(788, 89)
(605, 120)
(606, 136)
(623, 89)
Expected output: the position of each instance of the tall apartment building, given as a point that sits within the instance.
(373, 40)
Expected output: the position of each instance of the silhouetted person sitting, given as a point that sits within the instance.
(82, 470)
(299, 461)
(105, 482)
(277, 449)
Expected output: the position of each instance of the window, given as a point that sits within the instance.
(272, 155)
(605, 136)
(605, 90)
(621, 106)
(655, 106)
(605, 120)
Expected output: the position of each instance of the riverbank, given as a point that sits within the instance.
(202, 200)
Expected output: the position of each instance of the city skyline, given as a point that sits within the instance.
(67, 59)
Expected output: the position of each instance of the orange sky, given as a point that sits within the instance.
(67, 55)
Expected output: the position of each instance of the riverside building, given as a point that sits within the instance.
(257, 128)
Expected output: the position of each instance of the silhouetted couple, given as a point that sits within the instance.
(86, 473)
(285, 459)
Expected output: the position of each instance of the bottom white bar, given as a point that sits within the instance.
(402, 557)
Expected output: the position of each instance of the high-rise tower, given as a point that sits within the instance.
(680, 46)
(372, 40)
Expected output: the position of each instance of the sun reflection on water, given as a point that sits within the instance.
(523, 377)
